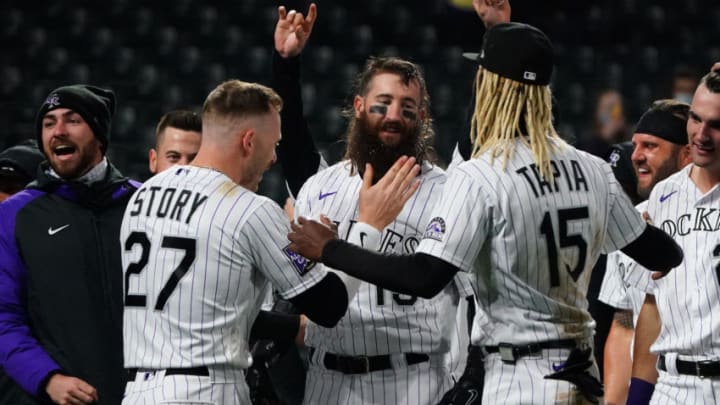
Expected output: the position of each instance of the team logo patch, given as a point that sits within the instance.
(436, 229)
(53, 100)
(301, 264)
(614, 158)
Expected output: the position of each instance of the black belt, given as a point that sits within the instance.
(366, 364)
(510, 353)
(705, 368)
(199, 371)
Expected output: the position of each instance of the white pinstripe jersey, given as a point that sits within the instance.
(198, 251)
(616, 289)
(496, 223)
(380, 321)
(688, 298)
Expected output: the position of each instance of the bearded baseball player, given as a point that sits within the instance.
(660, 149)
(677, 335)
(527, 217)
(389, 348)
(199, 249)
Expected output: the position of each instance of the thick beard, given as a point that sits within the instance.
(364, 146)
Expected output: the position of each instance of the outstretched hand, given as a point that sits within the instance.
(308, 237)
(293, 30)
(380, 203)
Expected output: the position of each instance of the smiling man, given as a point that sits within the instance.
(60, 274)
(660, 150)
(177, 140)
(676, 341)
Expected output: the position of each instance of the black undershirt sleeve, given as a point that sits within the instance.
(418, 274)
(275, 326)
(325, 302)
(297, 153)
(655, 250)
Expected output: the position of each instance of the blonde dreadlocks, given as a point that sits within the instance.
(499, 104)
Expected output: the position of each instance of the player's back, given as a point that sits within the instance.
(191, 289)
(544, 238)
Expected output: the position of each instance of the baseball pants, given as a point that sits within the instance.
(417, 384)
(675, 388)
(524, 382)
(224, 386)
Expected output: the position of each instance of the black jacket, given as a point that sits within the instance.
(61, 285)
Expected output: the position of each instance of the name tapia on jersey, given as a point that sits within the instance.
(566, 172)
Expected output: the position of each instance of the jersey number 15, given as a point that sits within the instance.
(566, 241)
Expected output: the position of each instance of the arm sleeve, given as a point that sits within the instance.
(275, 326)
(397, 273)
(21, 355)
(297, 153)
(655, 250)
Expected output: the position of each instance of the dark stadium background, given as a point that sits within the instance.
(161, 55)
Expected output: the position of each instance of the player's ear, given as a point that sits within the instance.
(684, 157)
(152, 160)
(248, 140)
(358, 105)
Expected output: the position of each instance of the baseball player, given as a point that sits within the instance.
(389, 348)
(677, 331)
(177, 140)
(198, 249)
(660, 149)
(527, 217)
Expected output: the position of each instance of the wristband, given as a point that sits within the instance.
(640, 392)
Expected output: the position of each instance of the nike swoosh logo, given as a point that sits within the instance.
(52, 231)
(322, 196)
(362, 238)
(666, 196)
(473, 396)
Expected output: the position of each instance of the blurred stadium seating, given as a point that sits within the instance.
(163, 55)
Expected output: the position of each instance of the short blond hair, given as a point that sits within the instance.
(235, 99)
(500, 104)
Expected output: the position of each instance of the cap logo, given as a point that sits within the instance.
(530, 76)
(482, 54)
(614, 158)
(53, 100)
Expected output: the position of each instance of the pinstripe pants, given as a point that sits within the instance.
(224, 386)
(685, 389)
(418, 384)
(524, 382)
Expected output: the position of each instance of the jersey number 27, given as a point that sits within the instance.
(169, 242)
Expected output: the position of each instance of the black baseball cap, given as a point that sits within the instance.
(518, 52)
(96, 105)
(21, 161)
